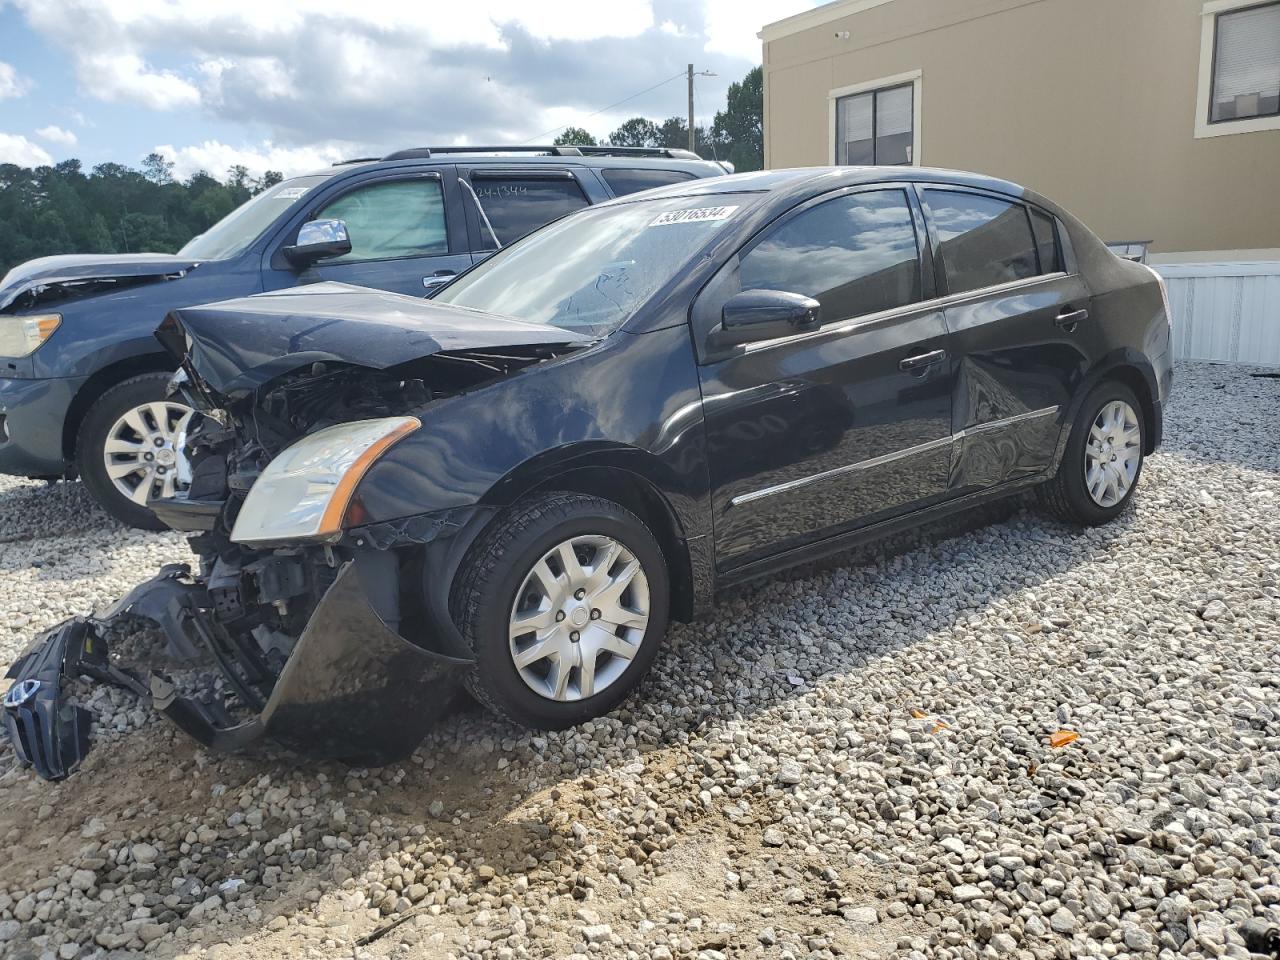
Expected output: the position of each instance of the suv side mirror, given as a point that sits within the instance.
(318, 240)
(765, 315)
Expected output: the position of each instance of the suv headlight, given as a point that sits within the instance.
(304, 492)
(19, 336)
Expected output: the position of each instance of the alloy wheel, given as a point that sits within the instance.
(143, 451)
(1112, 453)
(579, 618)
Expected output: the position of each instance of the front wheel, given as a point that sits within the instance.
(1103, 460)
(563, 602)
(127, 449)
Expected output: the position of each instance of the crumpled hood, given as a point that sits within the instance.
(52, 271)
(237, 346)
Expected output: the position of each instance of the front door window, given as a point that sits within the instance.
(391, 219)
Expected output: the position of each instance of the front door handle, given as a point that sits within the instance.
(922, 360)
(437, 278)
(1068, 319)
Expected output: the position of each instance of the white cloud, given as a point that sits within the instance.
(57, 135)
(18, 149)
(12, 84)
(126, 77)
(216, 158)
(732, 25)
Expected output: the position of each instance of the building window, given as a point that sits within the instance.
(876, 127)
(1246, 64)
(877, 122)
(1239, 85)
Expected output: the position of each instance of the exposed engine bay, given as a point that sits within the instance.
(318, 641)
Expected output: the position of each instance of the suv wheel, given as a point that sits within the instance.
(563, 602)
(127, 449)
(1103, 460)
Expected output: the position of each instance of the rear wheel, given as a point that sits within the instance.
(1103, 460)
(563, 603)
(127, 449)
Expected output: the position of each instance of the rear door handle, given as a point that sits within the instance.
(437, 278)
(1068, 319)
(922, 360)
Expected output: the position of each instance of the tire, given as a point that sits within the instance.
(1068, 495)
(497, 580)
(144, 392)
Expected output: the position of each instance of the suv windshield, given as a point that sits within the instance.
(591, 271)
(232, 234)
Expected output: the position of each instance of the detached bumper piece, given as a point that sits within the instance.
(352, 689)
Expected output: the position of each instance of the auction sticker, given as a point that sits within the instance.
(695, 215)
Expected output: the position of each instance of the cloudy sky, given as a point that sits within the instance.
(294, 84)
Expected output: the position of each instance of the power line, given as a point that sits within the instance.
(564, 126)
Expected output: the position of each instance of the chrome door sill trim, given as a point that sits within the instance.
(880, 461)
(990, 425)
(840, 471)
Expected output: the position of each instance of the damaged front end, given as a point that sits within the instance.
(304, 622)
(349, 688)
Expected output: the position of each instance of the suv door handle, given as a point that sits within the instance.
(437, 278)
(1068, 319)
(922, 360)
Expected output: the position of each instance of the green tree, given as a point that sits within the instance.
(636, 132)
(740, 125)
(269, 180)
(157, 168)
(575, 137)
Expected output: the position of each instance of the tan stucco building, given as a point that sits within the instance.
(1152, 120)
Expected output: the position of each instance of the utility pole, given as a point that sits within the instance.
(691, 138)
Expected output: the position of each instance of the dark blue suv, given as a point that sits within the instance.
(83, 379)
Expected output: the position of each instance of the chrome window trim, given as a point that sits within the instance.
(911, 309)
(926, 447)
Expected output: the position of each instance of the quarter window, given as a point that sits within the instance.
(1046, 242)
(983, 241)
(623, 182)
(855, 255)
(391, 219)
(519, 205)
(876, 127)
(1246, 64)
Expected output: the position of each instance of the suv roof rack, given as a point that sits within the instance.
(550, 150)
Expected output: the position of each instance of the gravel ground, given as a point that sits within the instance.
(849, 761)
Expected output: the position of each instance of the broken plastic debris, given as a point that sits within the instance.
(931, 723)
(1060, 738)
(794, 680)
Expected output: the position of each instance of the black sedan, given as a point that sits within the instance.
(514, 486)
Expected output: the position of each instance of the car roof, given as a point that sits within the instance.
(497, 156)
(819, 179)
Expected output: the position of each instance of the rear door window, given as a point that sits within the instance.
(856, 255)
(516, 205)
(983, 241)
(391, 219)
(623, 182)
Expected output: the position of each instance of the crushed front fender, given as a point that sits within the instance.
(352, 689)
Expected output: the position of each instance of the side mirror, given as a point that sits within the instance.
(319, 240)
(765, 315)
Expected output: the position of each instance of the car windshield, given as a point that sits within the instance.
(232, 235)
(592, 270)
